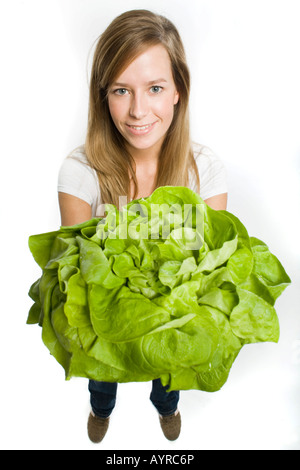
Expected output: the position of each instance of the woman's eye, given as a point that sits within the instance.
(120, 91)
(156, 89)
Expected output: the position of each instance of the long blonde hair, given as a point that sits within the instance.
(129, 35)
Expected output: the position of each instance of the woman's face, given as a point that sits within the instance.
(141, 101)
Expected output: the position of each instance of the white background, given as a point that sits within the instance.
(244, 61)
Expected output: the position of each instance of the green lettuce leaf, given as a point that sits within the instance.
(165, 288)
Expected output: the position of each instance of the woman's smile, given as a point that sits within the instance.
(142, 129)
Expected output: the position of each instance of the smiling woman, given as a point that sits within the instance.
(138, 140)
(138, 51)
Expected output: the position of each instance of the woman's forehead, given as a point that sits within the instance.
(149, 67)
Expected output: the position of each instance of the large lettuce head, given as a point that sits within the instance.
(164, 288)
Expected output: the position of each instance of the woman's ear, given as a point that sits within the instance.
(176, 97)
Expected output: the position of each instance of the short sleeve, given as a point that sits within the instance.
(212, 173)
(78, 179)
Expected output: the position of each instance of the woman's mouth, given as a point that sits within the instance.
(140, 130)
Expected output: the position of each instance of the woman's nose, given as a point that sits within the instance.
(139, 106)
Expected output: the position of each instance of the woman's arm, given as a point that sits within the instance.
(218, 202)
(73, 210)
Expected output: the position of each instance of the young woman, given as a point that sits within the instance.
(138, 139)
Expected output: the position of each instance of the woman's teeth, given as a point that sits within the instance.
(141, 128)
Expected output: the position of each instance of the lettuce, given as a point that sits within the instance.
(165, 288)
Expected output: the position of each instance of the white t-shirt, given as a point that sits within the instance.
(78, 179)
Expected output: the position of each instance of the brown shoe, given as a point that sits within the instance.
(171, 426)
(97, 428)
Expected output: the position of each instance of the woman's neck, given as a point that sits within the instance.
(146, 165)
(145, 156)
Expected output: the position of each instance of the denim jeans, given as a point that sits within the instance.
(104, 394)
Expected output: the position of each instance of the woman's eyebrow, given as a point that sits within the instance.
(152, 82)
(159, 80)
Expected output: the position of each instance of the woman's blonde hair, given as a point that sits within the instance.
(128, 36)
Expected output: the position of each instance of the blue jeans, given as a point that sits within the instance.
(104, 394)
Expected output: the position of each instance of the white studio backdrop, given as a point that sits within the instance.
(245, 101)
